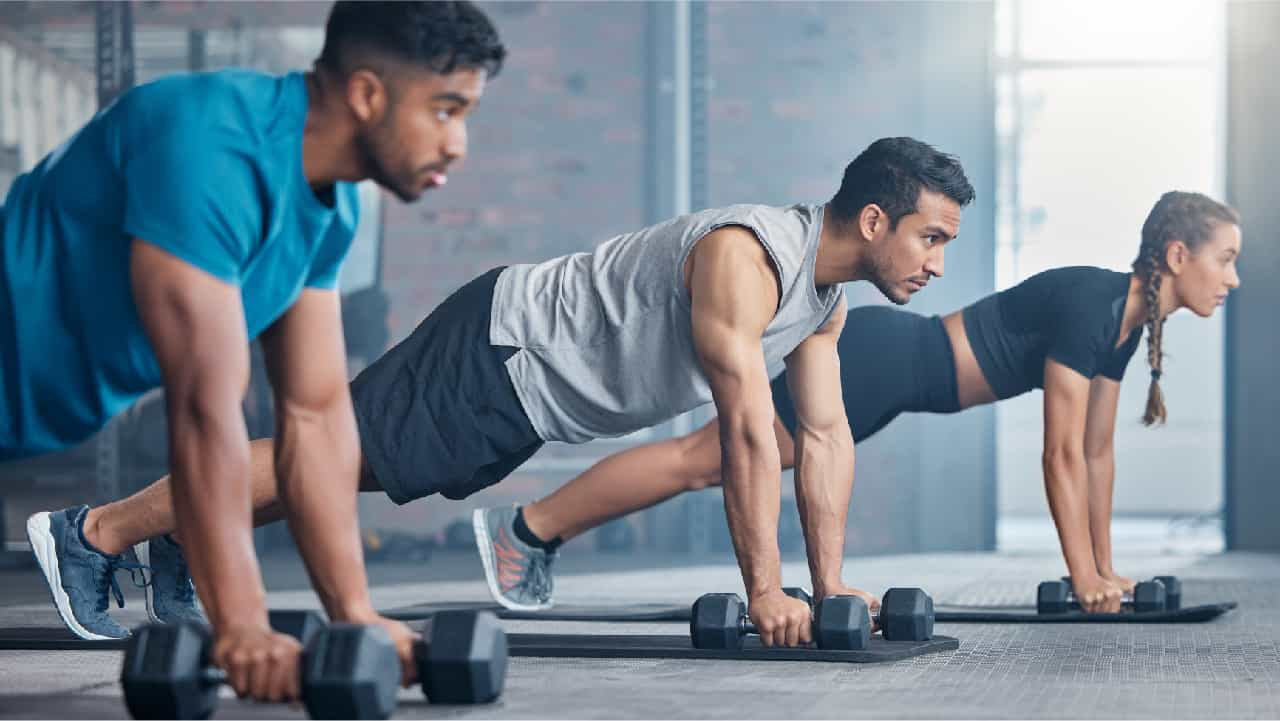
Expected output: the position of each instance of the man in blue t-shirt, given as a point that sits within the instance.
(194, 214)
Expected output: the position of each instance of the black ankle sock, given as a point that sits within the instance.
(529, 537)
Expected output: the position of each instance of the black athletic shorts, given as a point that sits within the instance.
(891, 361)
(437, 413)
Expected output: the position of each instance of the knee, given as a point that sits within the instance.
(700, 456)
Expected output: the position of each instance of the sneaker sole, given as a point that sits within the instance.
(143, 552)
(485, 545)
(42, 545)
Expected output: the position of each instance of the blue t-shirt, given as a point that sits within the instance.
(207, 167)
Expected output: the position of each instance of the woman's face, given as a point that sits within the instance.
(1202, 278)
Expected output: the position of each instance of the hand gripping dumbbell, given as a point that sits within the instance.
(720, 620)
(347, 671)
(1058, 597)
(462, 658)
(1172, 591)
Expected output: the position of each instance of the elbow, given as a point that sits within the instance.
(1061, 461)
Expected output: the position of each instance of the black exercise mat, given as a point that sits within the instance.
(1023, 614)
(52, 638)
(602, 613)
(673, 646)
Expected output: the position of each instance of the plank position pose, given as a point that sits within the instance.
(1070, 331)
(194, 214)
(648, 325)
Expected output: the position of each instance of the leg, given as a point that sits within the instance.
(636, 479)
(115, 527)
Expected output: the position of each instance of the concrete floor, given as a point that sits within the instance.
(1229, 668)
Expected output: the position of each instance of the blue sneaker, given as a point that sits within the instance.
(171, 596)
(81, 578)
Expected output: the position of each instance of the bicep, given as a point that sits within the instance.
(813, 376)
(195, 324)
(1066, 402)
(304, 351)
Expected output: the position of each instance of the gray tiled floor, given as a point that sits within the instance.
(1229, 668)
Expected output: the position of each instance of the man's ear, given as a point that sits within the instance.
(872, 220)
(367, 96)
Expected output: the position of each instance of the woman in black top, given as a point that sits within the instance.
(1070, 331)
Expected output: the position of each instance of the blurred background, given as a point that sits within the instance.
(1070, 118)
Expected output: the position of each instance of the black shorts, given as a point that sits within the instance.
(891, 361)
(437, 413)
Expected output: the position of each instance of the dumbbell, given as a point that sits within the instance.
(1057, 597)
(1172, 591)
(720, 621)
(462, 658)
(347, 671)
(906, 614)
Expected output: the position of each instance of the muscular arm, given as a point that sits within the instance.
(317, 452)
(1066, 399)
(195, 324)
(824, 451)
(735, 295)
(1100, 459)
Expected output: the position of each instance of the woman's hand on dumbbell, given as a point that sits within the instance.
(1126, 584)
(1097, 595)
(780, 620)
(260, 664)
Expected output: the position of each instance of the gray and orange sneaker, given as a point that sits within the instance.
(519, 575)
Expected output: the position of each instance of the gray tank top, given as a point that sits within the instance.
(606, 336)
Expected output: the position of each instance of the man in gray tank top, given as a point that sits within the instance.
(702, 308)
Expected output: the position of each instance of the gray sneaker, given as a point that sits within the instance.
(171, 596)
(81, 578)
(519, 575)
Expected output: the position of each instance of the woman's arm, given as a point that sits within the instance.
(1066, 480)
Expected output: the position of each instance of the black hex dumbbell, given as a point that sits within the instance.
(1058, 597)
(906, 614)
(347, 671)
(840, 622)
(462, 658)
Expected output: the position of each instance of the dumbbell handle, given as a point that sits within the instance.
(747, 626)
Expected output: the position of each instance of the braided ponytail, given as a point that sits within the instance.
(1177, 216)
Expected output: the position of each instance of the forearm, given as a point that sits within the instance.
(213, 508)
(317, 464)
(1102, 472)
(1066, 485)
(752, 484)
(824, 483)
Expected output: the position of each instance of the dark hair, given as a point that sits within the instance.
(891, 172)
(439, 36)
(1190, 218)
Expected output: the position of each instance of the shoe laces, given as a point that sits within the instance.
(109, 586)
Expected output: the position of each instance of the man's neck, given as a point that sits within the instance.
(327, 140)
(839, 258)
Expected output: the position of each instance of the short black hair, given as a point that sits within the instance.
(439, 36)
(891, 172)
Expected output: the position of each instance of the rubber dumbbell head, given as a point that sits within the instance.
(1051, 597)
(1172, 592)
(842, 623)
(906, 614)
(1149, 596)
(463, 658)
(717, 621)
